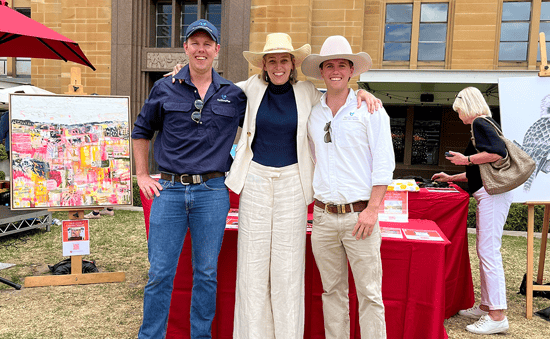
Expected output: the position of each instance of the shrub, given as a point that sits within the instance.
(135, 192)
(517, 217)
(3, 153)
(2, 175)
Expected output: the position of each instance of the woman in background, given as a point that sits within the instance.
(491, 213)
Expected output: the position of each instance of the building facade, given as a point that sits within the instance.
(423, 52)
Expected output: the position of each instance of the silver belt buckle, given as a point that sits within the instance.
(195, 177)
(181, 179)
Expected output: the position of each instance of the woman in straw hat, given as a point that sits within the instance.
(273, 172)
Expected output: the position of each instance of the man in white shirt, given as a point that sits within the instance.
(354, 165)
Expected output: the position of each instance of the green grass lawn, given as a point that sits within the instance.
(114, 310)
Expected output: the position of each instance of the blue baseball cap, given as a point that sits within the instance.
(204, 25)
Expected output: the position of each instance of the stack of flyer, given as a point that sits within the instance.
(430, 235)
(390, 232)
(232, 220)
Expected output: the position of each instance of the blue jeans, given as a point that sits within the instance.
(203, 209)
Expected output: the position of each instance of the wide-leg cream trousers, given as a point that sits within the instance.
(333, 245)
(269, 297)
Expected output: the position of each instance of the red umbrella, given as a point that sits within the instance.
(21, 36)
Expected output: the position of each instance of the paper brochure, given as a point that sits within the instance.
(390, 232)
(430, 235)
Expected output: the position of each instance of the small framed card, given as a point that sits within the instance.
(394, 207)
(76, 237)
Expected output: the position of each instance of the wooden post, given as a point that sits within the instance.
(530, 239)
(76, 277)
(75, 87)
(544, 69)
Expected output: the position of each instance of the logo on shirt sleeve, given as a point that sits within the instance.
(223, 99)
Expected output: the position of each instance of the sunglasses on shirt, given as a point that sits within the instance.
(196, 116)
(328, 139)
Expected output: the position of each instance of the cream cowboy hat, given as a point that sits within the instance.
(336, 47)
(278, 43)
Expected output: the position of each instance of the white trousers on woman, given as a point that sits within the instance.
(269, 297)
(492, 211)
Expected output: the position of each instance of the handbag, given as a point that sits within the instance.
(507, 173)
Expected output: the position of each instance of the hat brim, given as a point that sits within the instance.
(362, 62)
(256, 58)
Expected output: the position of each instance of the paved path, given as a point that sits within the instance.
(512, 233)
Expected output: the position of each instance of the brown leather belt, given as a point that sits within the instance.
(346, 208)
(187, 179)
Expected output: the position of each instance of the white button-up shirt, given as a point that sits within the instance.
(360, 155)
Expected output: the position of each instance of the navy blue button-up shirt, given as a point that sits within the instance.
(182, 145)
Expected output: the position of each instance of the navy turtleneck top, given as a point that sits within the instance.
(274, 142)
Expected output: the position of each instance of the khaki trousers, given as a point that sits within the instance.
(333, 245)
(269, 297)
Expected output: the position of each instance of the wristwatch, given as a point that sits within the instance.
(470, 163)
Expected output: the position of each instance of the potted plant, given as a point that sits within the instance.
(4, 161)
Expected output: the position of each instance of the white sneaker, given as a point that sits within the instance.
(473, 312)
(91, 215)
(486, 325)
(107, 212)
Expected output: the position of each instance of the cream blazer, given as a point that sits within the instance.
(306, 97)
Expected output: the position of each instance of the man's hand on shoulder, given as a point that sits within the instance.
(372, 102)
(175, 71)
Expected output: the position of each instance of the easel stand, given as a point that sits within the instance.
(530, 237)
(76, 277)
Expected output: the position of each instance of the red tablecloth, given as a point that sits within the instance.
(450, 213)
(413, 287)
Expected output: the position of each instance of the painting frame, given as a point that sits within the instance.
(70, 151)
(525, 119)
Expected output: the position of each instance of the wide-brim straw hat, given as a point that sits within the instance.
(278, 43)
(336, 47)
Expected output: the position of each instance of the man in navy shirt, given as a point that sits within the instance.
(196, 119)
(5, 129)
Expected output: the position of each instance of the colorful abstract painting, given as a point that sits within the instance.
(70, 151)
